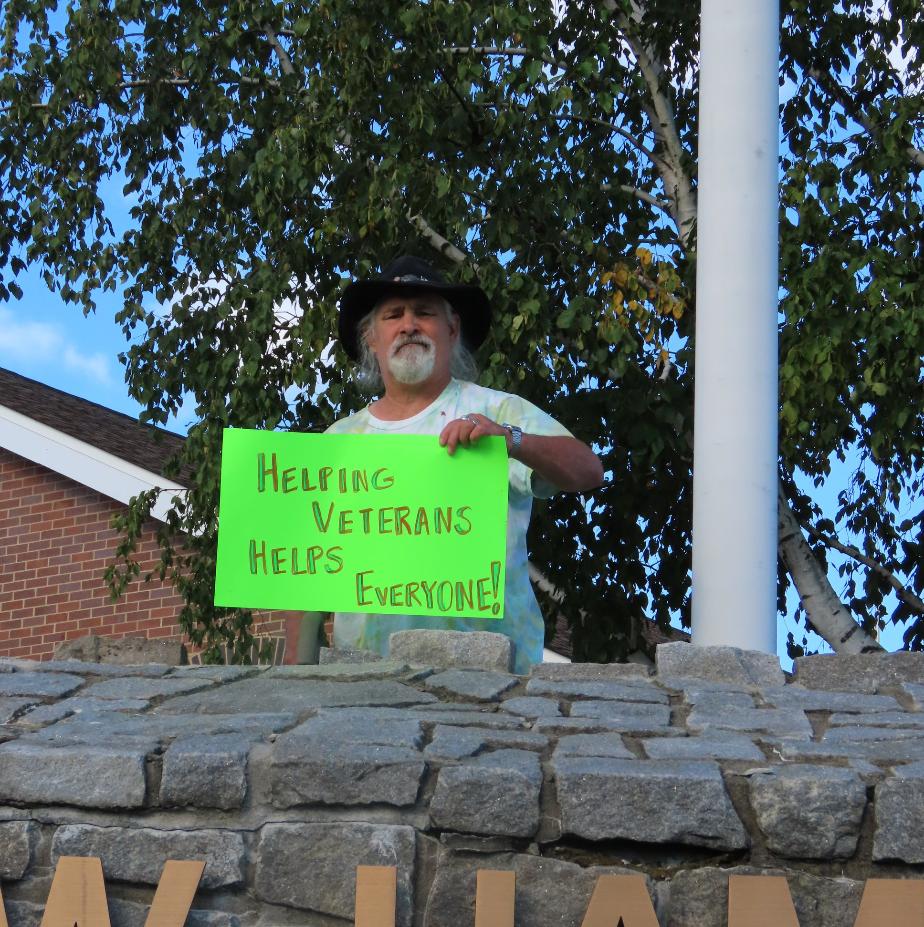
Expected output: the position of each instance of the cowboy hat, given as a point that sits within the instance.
(408, 274)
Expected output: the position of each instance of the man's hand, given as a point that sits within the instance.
(468, 429)
(562, 461)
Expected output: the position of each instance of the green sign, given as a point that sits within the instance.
(362, 523)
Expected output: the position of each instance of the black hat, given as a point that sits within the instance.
(409, 274)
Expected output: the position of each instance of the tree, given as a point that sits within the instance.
(272, 151)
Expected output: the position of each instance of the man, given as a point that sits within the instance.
(413, 333)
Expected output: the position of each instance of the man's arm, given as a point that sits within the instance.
(560, 460)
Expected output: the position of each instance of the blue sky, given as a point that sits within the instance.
(42, 338)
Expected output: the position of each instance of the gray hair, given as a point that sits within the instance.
(461, 365)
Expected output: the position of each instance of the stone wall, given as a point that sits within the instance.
(285, 779)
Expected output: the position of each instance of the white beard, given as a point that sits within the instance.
(412, 365)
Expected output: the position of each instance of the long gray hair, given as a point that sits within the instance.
(461, 365)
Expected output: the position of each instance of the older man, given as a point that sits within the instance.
(413, 334)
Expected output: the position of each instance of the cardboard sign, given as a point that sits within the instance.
(362, 523)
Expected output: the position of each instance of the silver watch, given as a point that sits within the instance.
(516, 435)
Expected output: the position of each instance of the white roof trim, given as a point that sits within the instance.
(550, 656)
(107, 474)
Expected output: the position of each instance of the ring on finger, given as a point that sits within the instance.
(470, 418)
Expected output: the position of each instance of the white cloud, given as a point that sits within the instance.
(43, 343)
(94, 366)
(26, 339)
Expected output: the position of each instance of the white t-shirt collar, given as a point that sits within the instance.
(402, 424)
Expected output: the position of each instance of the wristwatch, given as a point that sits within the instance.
(516, 435)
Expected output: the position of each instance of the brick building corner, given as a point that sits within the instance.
(67, 466)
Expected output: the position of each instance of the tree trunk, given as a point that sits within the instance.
(828, 615)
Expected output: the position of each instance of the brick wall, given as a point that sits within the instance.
(55, 543)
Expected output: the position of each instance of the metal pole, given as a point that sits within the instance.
(735, 437)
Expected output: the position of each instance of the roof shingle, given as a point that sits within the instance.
(145, 446)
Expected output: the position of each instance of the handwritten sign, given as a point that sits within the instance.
(361, 523)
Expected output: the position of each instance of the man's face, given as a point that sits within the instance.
(412, 338)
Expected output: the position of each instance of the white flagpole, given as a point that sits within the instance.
(735, 445)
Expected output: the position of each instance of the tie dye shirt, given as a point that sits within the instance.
(522, 620)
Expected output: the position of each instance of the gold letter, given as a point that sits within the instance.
(896, 902)
(78, 896)
(175, 893)
(376, 890)
(494, 898)
(620, 899)
(760, 901)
